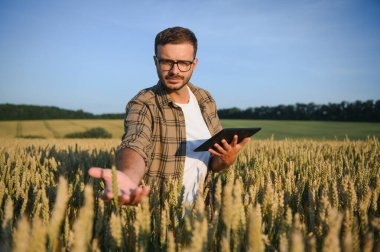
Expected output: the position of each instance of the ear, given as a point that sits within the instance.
(155, 61)
(195, 63)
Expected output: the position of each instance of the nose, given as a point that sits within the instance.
(175, 70)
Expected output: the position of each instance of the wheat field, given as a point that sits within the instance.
(328, 130)
(288, 195)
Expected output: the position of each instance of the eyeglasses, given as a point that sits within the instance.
(167, 65)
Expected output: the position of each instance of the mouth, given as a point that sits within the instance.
(174, 78)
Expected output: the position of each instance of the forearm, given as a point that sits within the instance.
(131, 163)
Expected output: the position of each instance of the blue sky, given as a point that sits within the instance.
(96, 55)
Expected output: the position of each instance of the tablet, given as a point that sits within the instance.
(228, 135)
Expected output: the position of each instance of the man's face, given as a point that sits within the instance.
(175, 79)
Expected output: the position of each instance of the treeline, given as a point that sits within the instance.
(32, 112)
(363, 111)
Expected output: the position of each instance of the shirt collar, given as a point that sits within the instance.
(164, 97)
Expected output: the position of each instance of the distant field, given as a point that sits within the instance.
(308, 129)
(57, 128)
(277, 129)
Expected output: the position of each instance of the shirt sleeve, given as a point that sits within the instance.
(216, 121)
(212, 111)
(138, 129)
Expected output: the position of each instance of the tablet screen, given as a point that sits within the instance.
(228, 135)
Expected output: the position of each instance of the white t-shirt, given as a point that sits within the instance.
(195, 162)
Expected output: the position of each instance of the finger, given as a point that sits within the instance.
(139, 196)
(234, 141)
(226, 146)
(98, 172)
(245, 141)
(124, 199)
(145, 191)
(136, 196)
(132, 197)
(213, 152)
(107, 195)
(220, 149)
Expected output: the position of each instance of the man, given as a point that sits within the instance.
(165, 123)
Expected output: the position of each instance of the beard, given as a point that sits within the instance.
(165, 81)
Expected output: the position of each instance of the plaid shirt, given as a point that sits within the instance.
(155, 128)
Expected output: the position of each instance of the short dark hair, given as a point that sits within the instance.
(176, 35)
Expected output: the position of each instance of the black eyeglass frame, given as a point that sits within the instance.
(172, 63)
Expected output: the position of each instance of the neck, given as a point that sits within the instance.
(181, 96)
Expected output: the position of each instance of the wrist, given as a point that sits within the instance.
(218, 164)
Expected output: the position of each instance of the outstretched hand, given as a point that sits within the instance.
(227, 152)
(129, 192)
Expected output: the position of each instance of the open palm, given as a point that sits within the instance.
(129, 192)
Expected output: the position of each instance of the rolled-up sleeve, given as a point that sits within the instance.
(138, 129)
